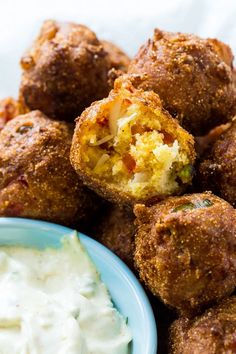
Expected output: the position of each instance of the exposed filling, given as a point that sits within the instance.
(129, 146)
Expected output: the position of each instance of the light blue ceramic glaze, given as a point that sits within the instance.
(127, 294)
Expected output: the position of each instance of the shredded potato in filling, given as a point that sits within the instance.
(133, 150)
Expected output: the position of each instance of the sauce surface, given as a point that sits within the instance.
(53, 302)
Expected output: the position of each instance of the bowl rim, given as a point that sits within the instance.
(118, 264)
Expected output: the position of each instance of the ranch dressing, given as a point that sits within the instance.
(53, 302)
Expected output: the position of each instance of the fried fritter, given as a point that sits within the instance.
(218, 171)
(64, 71)
(192, 76)
(9, 109)
(212, 333)
(116, 231)
(234, 76)
(36, 177)
(204, 143)
(185, 250)
(129, 149)
(223, 51)
(117, 58)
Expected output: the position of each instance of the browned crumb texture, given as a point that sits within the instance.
(64, 71)
(185, 250)
(116, 231)
(129, 149)
(212, 333)
(36, 178)
(192, 76)
(218, 170)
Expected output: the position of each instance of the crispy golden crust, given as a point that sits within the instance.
(116, 231)
(9, 108)
(185, 250)
(64, 71)
(212, 333)
(218, 171)
(191, 75)
(36, 178)
(94, 116)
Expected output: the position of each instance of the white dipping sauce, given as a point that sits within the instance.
(53, 302)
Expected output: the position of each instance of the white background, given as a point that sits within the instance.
(127, 22)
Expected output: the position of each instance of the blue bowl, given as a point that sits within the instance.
(127, 294)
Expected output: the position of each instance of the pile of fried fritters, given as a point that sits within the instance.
(130, 152)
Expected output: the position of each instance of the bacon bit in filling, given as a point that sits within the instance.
(126, 102)
(129, 162)
(103, 121)
(139, 129)
(168, 139)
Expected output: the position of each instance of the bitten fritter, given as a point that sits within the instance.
(9, 109)
(128, 148)
(116, 231)
(192, 76)
(64, 71)
(36, 178)
(185, 250)
(218, 171)
(212, 333)
(117, 58)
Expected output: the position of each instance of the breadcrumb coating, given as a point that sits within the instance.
(64, 71)
(192, 76)
(214, 332)
(36, 178)
(217, 171)
(116, 231)
(185, 250)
